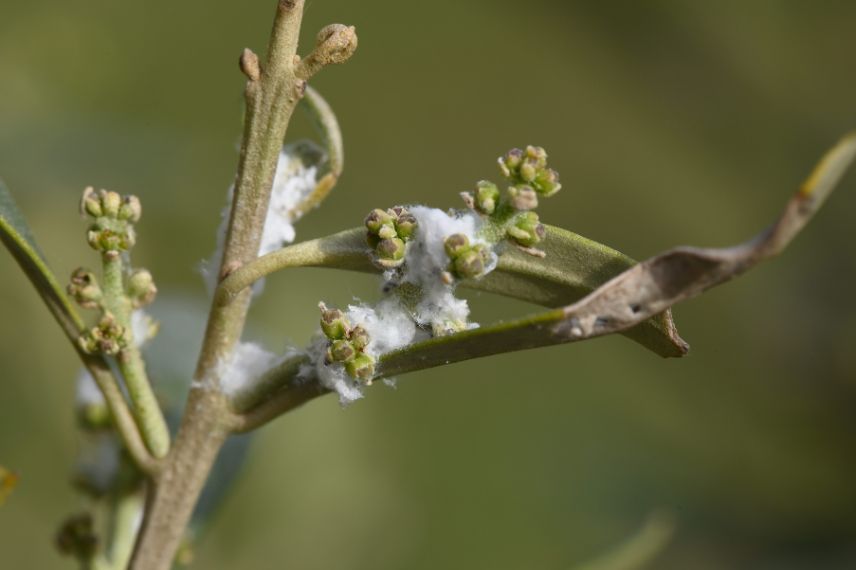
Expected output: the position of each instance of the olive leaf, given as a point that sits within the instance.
(632, 297)
(573, 267)
(16, 236)
(638, 293)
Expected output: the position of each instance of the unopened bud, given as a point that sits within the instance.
(546, 183)
(390, 252)
(522, 198)
(359, 338)
(341, 351)
(362, 367)
(456, 244)
(527, 230)
(471, 263)
(90, 203)
(377, 219)
(509, 163)
(130, 210)
(141, 287)
(405, 223)
(110, 203)
(335, 44)
(486, 197)
(333, 322)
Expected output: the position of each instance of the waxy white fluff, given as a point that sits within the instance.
(240, 373)
(389, 327)
(292, 184)
(426, 260)
(293, 181)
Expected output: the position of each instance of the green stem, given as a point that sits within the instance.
(147, 411)
(127, 513)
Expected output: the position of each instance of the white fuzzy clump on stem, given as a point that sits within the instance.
(426, 262)
(240, 373)
(293, 182)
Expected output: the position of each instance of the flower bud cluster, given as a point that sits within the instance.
(347, 344)
(76, 537)
(114, 216)
(510, 211)
(388, 234)
(466, 260)
(108, 337)
(528, 168)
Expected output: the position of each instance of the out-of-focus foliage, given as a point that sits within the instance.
(671, 123)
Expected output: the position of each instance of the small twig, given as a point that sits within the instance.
(124, 421)
(327, 126)
(335, 43)
(145, 406)
(128, 509)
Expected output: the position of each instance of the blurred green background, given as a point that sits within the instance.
(670, 123)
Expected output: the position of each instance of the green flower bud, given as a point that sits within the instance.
(130, 210)
(141, 287)
(471, 263)
(486, 197)
(359, 338)
(362, 367)
(90, 203)
(377, 219)
(527, 171)
(110, 203)
(527, 230)
(510, 162)
(522, 198)
(84, 288)
(76, 537)
(334, 325)
(456, 244)
(546, 183)
(536, 156)
(341, 351)
(405, 223)
(387, 232)
(390, 252)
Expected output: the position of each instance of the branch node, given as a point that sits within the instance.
(249, 63)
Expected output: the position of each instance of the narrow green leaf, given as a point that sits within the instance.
(640, 292)
(16, 236)
(573, 268)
